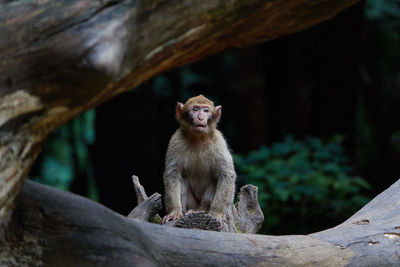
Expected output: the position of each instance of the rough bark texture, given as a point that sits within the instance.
(198, 220)
(141, 194)
(147, 209)
(251, 217)
(56, 228)
(59, 58)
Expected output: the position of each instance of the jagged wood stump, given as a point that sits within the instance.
(147, 207)
(247, 217)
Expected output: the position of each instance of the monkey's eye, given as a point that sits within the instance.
(195, 109)
(206, 110)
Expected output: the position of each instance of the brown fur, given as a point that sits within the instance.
(199, 172)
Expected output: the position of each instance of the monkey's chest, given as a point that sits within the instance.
(198, 163)
(199, 172)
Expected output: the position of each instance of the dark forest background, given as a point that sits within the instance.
(312, 119)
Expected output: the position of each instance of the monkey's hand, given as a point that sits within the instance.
(175, 215)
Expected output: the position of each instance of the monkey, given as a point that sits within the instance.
(199, 172)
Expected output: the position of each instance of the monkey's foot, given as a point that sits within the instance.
(172, 217)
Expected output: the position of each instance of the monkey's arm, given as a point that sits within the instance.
(224, 191)
(173, 186)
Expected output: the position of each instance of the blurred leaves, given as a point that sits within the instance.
(302, 183)
(161, 86)
(65, 155)
(378, 9)
(384, 16)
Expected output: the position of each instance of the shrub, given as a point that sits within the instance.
(304, 186)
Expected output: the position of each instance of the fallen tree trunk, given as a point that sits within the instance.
(54, 228)
(59, 58)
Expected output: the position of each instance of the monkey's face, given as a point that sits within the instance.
(200, 116)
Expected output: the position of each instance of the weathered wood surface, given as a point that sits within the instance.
(141, 194)
(59, 58)
(54, 228)
(147, 209)
(251, 217)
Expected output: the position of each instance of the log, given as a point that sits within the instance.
(247, 219)
(251, 217)
(59, 58)
(55, 228)
(147, 209)
(139, 190)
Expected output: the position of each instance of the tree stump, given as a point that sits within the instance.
(198, 220)
(246, 218)
(147, 207)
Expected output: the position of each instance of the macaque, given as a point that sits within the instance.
(199, 173)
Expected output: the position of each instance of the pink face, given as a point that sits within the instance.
(200, 114)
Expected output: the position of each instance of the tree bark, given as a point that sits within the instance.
(54, 228)
(147, 209)
(60, 58)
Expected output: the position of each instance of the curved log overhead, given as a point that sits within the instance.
(59, 58)
(54, 228)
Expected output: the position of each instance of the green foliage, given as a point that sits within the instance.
(156, 219)
(161, 86)
(65, 155)
(378, 9)
(302, 184)
(54, 165)
(385, 16)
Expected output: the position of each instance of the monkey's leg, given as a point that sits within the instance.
(223, 193)
(190, 203)
(208, 197)
(173, 192)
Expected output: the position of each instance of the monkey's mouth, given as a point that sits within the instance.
(200, 127)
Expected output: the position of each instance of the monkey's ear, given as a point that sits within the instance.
(179, 110)
(218, 111)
